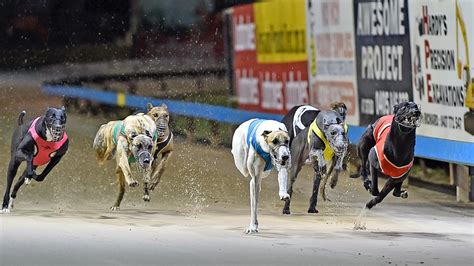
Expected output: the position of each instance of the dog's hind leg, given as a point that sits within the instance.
(11, 172)
(159, 170)
(389, 185)
(17, 186)
(121, 189)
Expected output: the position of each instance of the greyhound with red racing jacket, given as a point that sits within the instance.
(42, 141)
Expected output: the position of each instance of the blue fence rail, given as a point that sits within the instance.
(426, 147)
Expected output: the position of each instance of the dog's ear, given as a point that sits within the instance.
(63, 108)
(164, 106)
(149, 106)
(266, 133)
(398, 106)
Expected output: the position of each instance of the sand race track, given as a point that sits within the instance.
(199, 211)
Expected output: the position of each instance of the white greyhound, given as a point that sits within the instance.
(257, 146)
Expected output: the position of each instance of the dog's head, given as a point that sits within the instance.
(332, 125)
(141, 148)
(278, 141)
(161, 116)
(407, 114)
(340, 108)
(55, 123)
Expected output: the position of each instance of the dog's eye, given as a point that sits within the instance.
(155, 115)
(286, 142)
(149, 147)
(334, 133)
(139, 146)
(275, 141)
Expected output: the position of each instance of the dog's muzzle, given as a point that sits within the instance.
(161, 127)
(144, 159)
(285, 159)
(410, 119)
(56, 131)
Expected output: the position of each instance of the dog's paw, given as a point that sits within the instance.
(286, 211)
(11, 203)
(5, 210)
(146, 198)
(374, 191)
(312, 210)
(134, 183)
(115, 208)
(284, 196)
(404, 194)
(252, 229)
(27, 181)
(367, 184)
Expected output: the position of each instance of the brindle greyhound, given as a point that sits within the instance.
(164, 146)
(324, 138)
(387, 148)
(41, 141)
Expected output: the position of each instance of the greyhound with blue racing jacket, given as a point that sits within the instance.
(258, 146)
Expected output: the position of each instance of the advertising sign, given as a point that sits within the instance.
(383, 57)
(331, 55)
(270, 55)
(442, 38)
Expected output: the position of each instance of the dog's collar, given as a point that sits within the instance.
(328, 151)
(252, 141)
(161, 145)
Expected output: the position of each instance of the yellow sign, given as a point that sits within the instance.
(281, 31)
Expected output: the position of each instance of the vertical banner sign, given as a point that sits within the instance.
(382, 55)
(331, 56)
(245, 57)
(281, 54)
(442, 46)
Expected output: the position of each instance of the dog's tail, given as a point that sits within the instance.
(102, 145)
(20, 117)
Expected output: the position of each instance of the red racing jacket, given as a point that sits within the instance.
(44, 149)
(381, 131)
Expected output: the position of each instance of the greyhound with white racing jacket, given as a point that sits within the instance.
(257, 146)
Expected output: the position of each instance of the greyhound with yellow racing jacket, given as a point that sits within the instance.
(130, 141)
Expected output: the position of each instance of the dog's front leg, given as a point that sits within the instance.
(254, 193)
(283, 183)
(319, 167)
(338, 166)
(12, 170)
(159, 170)
(54, 161)
(122, 162)
(146, 185)
(389, 185)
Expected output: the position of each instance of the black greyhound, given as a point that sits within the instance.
(41, 141)
(387, 148)
(323, 140)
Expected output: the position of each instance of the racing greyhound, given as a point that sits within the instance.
(41, 141)
(387, 148)
(324, 140)
(299, 118)
(257, 146)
